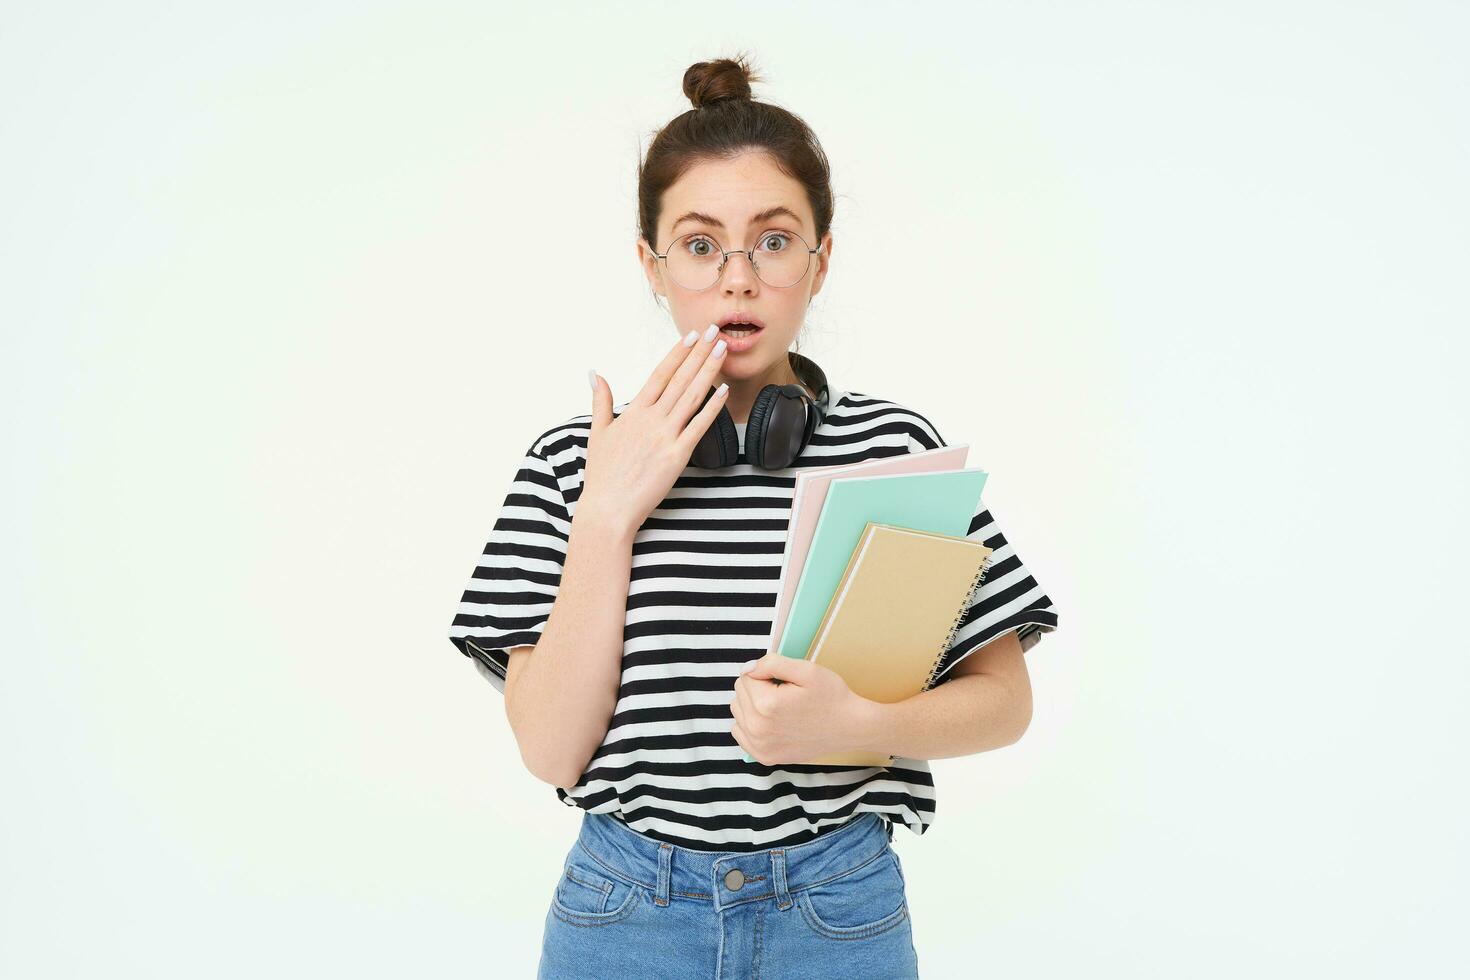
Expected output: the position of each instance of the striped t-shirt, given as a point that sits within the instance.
(701, 598)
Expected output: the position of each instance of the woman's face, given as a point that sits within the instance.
(722, 199)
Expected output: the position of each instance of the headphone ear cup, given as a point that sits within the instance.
(784, 418)
(719, 445)
(781, 423)
(755, 429)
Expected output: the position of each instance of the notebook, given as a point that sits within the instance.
(806, 505)
(943, 503)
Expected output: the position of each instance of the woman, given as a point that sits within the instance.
(632, 576)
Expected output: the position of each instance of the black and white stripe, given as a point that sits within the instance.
(701, 595)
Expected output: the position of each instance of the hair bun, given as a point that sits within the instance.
(723, 78)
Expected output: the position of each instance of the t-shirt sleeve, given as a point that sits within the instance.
(514, 583)
(1009, 597)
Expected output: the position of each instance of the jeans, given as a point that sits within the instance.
(630, 906)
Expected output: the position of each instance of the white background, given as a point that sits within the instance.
(287, 291)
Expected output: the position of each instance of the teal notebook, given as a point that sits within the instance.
(943, 503)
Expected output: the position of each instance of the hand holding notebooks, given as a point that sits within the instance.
(894, 614)
(940, 502)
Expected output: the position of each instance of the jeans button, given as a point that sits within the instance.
(734, 878)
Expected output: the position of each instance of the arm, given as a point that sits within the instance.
(986, 704)
(560, 694)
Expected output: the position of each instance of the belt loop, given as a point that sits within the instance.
(665, 877)
(778, 873)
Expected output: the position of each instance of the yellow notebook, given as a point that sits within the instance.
(894, 614)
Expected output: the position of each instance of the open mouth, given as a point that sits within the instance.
(740, 337)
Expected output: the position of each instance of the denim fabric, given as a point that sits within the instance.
(627, 905)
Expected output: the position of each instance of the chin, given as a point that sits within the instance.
(752, 370)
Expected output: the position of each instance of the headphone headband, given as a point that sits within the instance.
(811, 374)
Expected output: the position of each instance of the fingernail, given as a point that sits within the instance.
(721, 389)
(592, 378)
(690, 337)
(713, 329)
(719, 349)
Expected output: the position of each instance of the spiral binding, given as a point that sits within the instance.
(964, 609)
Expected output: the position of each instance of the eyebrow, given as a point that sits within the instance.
(766, 215)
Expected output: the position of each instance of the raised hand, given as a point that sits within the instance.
(634, 459)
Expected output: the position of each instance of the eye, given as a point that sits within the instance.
(775, 241)
(701, 248)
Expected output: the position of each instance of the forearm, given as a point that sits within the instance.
(964, 715)
(565, 696)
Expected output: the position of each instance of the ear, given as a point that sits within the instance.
(651, 272)
(823, 257)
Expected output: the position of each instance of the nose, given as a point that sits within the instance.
(738, 275)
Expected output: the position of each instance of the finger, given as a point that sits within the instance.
(699, 388)
(653, 388)
(743, 699)
(692, 433)
(738, 734)
(680, 382)
(601, 403)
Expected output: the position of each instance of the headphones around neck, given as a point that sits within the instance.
(780, 427)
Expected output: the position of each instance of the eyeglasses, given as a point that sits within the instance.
(780, 258)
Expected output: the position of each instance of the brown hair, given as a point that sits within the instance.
(724, 122)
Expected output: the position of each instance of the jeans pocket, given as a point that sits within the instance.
(898, 865)
(865, 901)
(588, 894)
